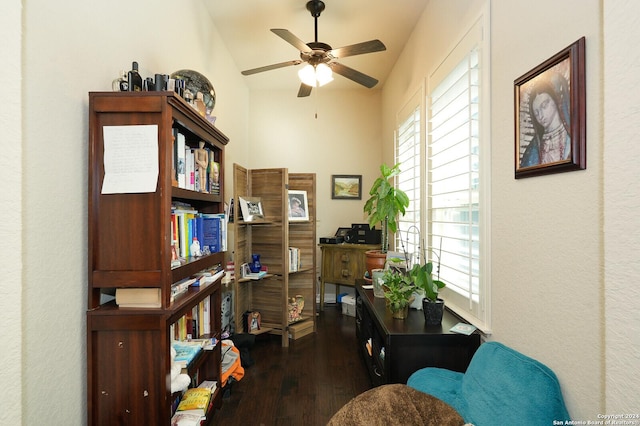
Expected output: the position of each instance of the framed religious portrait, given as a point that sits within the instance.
(346, 187)
(550, 115)
(298, 206)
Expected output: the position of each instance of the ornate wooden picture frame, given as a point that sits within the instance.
(550, 115)
(346, 187)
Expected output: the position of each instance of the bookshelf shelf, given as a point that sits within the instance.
(130, 246)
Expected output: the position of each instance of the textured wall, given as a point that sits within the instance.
(546, 253)
(11, 224)
(546, 238)
(72, 48)
(621, 205)
(331, 132)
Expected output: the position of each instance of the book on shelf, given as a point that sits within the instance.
(210, 229)
(191, 168)
(186, 352)
(209, 384)
(463, 328)
(210, 276)
(214, 175)
(195, 401)
(182, 286)
(207, 344)
(188, 223)
(255, 275)
(294, 259)
(149, 297)
(230, 211)
(186, 170)
(193, 325)
(186, 419)
(180, 156)
(205, 307)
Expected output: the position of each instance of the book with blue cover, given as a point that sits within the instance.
(211, 233)
(186, 352)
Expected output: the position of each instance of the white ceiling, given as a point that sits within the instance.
(245, 25)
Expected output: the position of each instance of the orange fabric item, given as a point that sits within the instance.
(235, 369)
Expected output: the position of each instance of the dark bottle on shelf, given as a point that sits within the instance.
(134, 78)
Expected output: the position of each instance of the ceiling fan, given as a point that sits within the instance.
(320, 57)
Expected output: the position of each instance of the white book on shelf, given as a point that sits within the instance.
(181, 160)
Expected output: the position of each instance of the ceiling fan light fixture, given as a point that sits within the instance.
(316, 76)
(324, 74)
(307, 75)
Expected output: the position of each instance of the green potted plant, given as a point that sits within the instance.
(398, 292)
(421, 276)
(384, 205)
(432, 306)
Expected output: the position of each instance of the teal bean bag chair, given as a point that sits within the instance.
(500, 386)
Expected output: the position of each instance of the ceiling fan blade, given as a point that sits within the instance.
(358, 49)
(271, 67)
(352, 74)
(304, 90)
(287, 36)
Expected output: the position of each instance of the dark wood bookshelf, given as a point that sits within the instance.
(129, 246)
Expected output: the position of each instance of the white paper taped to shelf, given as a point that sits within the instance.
(130, 159)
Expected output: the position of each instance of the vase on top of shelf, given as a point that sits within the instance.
(255, 266)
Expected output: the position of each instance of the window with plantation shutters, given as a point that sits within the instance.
(456, 175)
(408, 144)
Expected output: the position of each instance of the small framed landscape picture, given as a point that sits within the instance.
(346, 187)
(251, 208)
(298, 206)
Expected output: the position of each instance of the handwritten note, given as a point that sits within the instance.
(130, 159)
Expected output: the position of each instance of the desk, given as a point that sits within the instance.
(343, 264)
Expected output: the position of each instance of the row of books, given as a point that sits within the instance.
(186, 161)
(193, 325)
(295, 262)
(188, 225)
(200, 278)
(194, 404)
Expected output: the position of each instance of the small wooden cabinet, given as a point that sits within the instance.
(342, 264)
(393, 349)
(130, 246)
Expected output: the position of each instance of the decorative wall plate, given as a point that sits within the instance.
(196, 82)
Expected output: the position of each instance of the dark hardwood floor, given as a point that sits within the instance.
(304, 384)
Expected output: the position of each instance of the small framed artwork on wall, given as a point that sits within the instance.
(550, 115)
(346, 187)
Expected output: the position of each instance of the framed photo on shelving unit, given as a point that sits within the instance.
(346, 187)
(298, 206)
(550, 115)
(251, 208)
